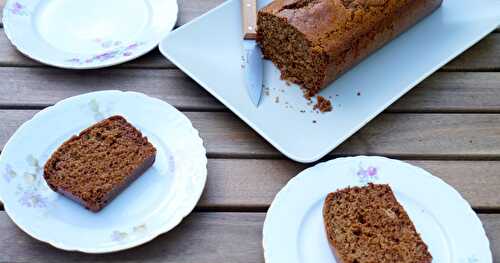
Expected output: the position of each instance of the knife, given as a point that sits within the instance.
(252, 55)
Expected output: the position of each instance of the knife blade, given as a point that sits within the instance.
(253, 70)
(252, 55)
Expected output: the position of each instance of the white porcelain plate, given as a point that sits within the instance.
(294, 230)
(84, 34)
(152, 205)
(284, 118)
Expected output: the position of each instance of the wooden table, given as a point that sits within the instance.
(449, 125)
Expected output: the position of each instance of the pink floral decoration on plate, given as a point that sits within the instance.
(107, 43)
(33, 199)
(125, 51)
(31, 189)
(368, 174)
(18, 9)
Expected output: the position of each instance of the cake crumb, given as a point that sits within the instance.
(314, 121)
(302, 111)
(359, 93)
(288, 83)
(322, 104)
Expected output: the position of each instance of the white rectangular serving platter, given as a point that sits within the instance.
(208, 49)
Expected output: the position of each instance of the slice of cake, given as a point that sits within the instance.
(367, 224)
(95, 166)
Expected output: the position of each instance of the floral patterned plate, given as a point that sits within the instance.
(294, 231)
(85, 34)
(152, 205)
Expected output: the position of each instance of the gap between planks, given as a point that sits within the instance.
(201, 237)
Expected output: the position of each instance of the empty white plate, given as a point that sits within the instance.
(84, 34)
(155, 203)
(209, 50)
(294, 231)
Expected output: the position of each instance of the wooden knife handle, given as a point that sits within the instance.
(249, 12)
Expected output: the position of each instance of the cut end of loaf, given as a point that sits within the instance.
(367, 224)
(298, 61)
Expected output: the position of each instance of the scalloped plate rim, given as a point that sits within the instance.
(137, 242)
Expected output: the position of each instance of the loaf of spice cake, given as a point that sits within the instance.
(367, 224)
(95, 166)
(312, 42)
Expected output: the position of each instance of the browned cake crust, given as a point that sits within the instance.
(312, 42)
(368, 225)
(95, 166)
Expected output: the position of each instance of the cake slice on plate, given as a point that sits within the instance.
(95, 166)
(368, 225)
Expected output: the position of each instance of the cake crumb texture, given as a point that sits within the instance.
(368, 225)
(95, 166)
(313, 42)
(322, 104)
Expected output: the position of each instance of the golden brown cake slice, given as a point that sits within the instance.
(95, 166)
(368, 225)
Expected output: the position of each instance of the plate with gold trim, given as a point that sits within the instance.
(154, 204)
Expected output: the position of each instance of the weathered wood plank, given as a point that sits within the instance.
(2, 4)
(256, 182)
(442, 92)
(453, 92)
(23, 86)
(202, 237)
(414, 136)
(484, 56)
(491, 225)
(190, 9)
